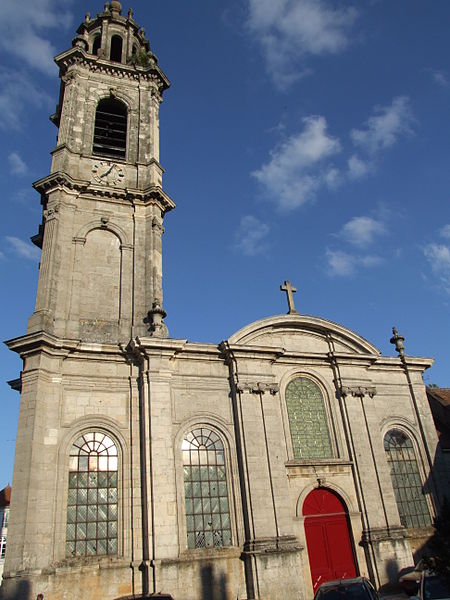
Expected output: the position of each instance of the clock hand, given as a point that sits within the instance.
(107, 172)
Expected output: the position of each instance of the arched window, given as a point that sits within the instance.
(307, 420)
(97, 43)
(205, 488)
(116, 48)
(406, 480)
(92, 506)
(110, 131)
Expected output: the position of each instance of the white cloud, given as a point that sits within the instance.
(383, 129)
(18, 92)
(289, 30)
(343, 264)
(445, 231)
(357, 167)
(440, 78)
(362, 231)
(23, 249)
(295, 170)
(340, 263)
(438, 255)
(251, 235)
(16, 164)
(23, 27)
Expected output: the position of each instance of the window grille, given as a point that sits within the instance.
(2, 547)
(406, 480)
(110, 131)
(308, 420)
(92, 507)
(206, 494)
(4, 514)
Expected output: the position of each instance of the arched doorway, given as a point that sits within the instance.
(330, 549)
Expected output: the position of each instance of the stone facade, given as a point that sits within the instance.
(98, 360)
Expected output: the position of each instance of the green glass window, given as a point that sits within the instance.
(205, 488)
(308, 420)
(406, 480)
(92, 505)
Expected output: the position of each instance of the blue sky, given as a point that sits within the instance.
(302, 139)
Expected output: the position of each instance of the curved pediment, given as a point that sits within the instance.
(302, 333)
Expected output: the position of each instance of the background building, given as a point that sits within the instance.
(257, 467)
(5, 496)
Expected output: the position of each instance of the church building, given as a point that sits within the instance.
(259, 467)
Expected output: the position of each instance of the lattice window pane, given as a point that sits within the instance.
(206, 495)
(92, 497)
(308, 420)
(406, 481)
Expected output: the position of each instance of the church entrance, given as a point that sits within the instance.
(330, 549)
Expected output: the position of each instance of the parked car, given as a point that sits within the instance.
(357, 588)
(410, 578)
(432, 587)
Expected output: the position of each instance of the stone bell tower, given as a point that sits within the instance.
(103, 203)
(100, 286)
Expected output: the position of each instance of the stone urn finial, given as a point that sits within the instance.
(398, 340)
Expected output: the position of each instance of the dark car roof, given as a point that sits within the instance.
(342, 581)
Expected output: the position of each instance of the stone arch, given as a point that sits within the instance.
(97, 283)
(415, 507)
(96, 43)
(116, 47)
(338, 490)
(220, 427)
(105, 224)
(293, 426)
(78, 427)
(329, 538)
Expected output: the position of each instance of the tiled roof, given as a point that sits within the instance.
(5, 496)
(441, 394)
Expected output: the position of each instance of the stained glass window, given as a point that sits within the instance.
(307, 420)
(205, 487)
(92, 505)
(406, 480)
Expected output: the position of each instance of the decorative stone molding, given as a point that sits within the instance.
(157, 224)
(382, 534)
(79, 57)
(152, 195)
(51, 213)
(358, 391)
(285, 543)
(257, 387)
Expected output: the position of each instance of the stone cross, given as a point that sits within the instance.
(287, 287)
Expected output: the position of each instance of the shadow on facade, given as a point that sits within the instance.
(16, 591)
(213, 586)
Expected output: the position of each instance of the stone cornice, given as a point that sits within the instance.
(382, 534)
(32, 342)
(151, 195)
(78, 56)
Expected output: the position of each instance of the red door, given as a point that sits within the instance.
(327, 537)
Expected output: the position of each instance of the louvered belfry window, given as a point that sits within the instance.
(92, 506)
(110, 132)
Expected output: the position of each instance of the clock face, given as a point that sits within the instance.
(108, 173)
